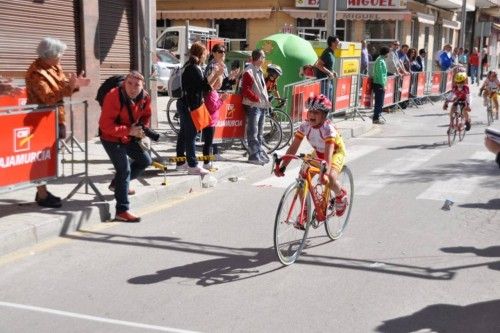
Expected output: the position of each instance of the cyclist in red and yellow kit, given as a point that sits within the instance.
(327, 143)
(459, 93)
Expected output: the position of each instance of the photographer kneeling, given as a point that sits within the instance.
(124, 121)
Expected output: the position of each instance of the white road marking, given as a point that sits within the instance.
(291, 173)
(93, 318)
(380, 177)
(459, 187)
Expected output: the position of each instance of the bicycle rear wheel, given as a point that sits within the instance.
(271, 135)
(489, 114)
(289, 240)
(286, 124)
(172, 115)
(335, 225)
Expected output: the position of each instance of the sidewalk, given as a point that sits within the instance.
(23, 223)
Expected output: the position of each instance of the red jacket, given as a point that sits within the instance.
(114, 123)
(474, 59)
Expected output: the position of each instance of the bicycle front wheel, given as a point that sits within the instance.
(335, 225)
(294, 211)
(461, 128)
(452, 133)
(172, 115)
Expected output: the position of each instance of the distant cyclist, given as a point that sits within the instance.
(459, 93)
(273, 74)
(489, 89)
(327, 143)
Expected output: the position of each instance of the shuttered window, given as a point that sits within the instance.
(24, 23)
(116, 47)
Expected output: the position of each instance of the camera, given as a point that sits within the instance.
(153, 135)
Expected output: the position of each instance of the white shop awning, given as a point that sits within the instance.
(451, 24)
(426, 18)
(212, 14)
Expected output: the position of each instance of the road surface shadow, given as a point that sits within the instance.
(448, 318)
(492, 204)
(489, 252)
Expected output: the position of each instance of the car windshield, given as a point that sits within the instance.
(167, 57)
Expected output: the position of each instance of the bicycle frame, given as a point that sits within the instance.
(306, 174)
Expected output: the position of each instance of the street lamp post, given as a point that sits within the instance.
(331, 21)
(462, 30)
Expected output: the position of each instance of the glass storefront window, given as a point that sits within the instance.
(380, 30)
(234, 29)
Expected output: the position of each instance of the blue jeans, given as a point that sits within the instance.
(126, 170)
(187, 136)
(254, 127)
(379, 92)
(327, 88)
(473, 73)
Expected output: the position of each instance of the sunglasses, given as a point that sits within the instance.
(220, 51)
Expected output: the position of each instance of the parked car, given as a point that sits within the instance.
(166, 62)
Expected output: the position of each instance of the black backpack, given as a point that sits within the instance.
(107, 85)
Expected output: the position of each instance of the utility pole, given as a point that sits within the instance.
(462, 28)
(331, 21)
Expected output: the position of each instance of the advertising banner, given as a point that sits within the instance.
(231, 123)
(366, 92)
(389, 91)
(436, 81)
(28, 151)
(343, 93)
(13, 100)
(421, 84)
(301, 93)
(405, 88)
(449, 80)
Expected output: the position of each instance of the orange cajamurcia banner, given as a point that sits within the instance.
(389, 91)
(421, 84)
(436, 82)
(231, 123)
(343, 93)
(449, 80)
(366, 92)
(28, 151)
(405, 88)
(301, 92)
(17, 99)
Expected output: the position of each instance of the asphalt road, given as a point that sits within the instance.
(205, 261)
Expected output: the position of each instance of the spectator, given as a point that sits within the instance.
(494, 147)
(46, 84)
(213, 103)
(365, 58)
(255, 103)
(325, 65)
(412, 58)
(124, 110)
(445, 59)
(379, 83)
(474, 65)
(421, 60)
(218, 57)
(403, 57)
(394, 65)
(484, 62)
(463, 58)
(194, 87)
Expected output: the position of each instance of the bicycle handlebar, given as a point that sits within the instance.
(304, 157)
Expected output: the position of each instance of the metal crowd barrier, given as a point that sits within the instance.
(30, 145)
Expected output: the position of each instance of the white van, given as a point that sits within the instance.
(178, 39)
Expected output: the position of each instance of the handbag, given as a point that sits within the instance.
(200, 117)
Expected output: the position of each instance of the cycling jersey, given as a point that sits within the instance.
(320, 136)
(458, 94)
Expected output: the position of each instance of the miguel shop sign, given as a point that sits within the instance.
(376, 4)
(28, 152)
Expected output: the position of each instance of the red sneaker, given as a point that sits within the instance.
(127, 217)
(341, 202)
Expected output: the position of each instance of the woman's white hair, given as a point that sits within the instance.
(50, 48)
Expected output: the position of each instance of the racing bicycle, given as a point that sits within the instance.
(457, 124)
(307, 202)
